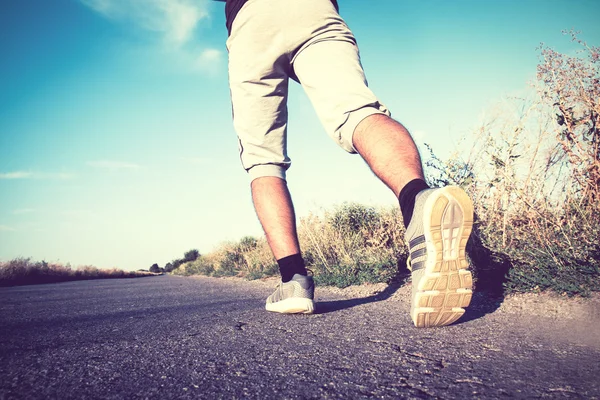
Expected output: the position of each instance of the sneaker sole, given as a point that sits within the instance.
(292, 305)
(445, 288)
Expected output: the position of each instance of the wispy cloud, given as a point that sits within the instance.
(36, 175)
(16, 175)
(209, 60)
(112, 165)
(176, 20)
(59, 175)
(4, 228)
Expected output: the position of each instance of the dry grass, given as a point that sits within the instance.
(24, 271)
(250, 258)
(534, 175)
(351, 244)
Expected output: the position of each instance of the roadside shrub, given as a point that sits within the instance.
(250, 258)
(353, 244)
(191, 255)
(534, 176)
(24, 271)
(154, 268)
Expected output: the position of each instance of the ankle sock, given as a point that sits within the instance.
(291, 265)
(407, 198)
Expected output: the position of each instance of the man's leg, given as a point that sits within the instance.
(392, 155)
(274, 208)
(275, 211)
(438, 221)
(438, 231)
(389, 150)
(262, 38)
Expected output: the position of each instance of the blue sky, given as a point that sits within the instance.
(116, 142)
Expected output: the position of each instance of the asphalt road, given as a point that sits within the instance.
(172, 337)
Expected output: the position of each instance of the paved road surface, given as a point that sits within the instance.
(172, 337)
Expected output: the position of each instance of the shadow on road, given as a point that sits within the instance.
(490, 270)
(482, 303)
(485, 301)
(324, 307)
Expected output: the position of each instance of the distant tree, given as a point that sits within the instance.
(169, 267)
(176, 263)
(191, 255)
(155, 268)
(247, 243)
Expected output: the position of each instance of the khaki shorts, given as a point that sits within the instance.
(306, 40)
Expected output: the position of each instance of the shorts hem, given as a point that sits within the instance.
(262, 170)
(356, 117)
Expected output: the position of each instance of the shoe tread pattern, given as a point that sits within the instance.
(445, 289)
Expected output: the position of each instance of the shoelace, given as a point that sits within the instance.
(309, 273)
(279, 287)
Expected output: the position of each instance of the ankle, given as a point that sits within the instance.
(291, 265)
(407, 198)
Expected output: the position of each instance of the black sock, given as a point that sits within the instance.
(290, 265)
(407, 198)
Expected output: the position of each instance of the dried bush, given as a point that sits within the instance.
(533, 173)
(352, 244)
(24, 271)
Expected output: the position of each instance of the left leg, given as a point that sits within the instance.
(389, 150)
(437, 233)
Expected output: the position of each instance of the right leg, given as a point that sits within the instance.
(438, 231)
(275, 211)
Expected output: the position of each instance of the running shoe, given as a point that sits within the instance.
(437, 237)
(293, 297)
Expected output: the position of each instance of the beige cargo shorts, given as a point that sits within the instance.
(272, 41)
